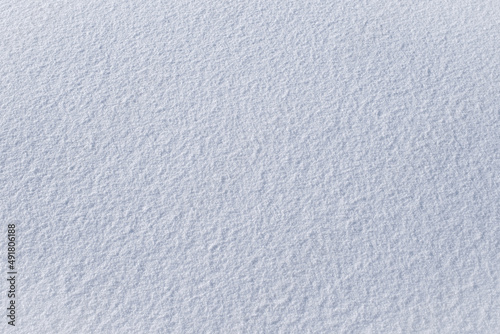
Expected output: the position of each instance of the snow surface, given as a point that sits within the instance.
(252, 166)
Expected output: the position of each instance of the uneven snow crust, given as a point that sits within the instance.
(252, 166)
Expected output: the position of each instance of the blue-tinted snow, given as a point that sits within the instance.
(252, 166)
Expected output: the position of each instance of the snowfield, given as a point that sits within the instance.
(251, 166)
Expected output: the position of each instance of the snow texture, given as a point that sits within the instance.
(252, 166)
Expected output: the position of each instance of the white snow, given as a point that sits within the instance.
(252, 166)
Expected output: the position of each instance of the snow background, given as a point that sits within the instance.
(252, 166)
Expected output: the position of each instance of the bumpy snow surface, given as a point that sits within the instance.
(251, 166)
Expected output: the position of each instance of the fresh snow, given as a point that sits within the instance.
(251, 166)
